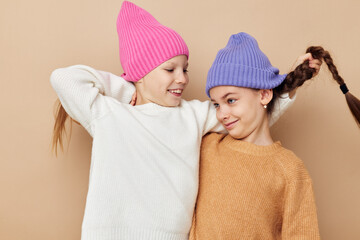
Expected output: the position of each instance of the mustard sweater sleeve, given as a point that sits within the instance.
(299, 217)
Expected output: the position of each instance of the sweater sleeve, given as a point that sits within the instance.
(281, 105)
(300, 218)
(206, 117)
(212, 124)
(82, 91)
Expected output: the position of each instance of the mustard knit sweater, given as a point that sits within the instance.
(252, 192)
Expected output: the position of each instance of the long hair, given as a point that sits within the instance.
(303, 73)
(59, 130)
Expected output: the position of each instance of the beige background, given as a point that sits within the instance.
(43, 197)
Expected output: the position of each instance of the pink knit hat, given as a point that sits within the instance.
(144, 43)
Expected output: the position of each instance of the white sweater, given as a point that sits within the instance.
(144, 168)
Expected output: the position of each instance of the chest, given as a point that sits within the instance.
(255, 182)
(166, 133)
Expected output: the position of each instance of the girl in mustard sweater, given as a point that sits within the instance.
(250, 186)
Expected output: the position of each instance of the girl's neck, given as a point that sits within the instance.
(261, 135)
(140, 99)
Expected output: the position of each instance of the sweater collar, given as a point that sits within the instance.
(250, 148)
(153, 107)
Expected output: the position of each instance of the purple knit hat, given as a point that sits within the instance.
(242, 64)
(144, 43)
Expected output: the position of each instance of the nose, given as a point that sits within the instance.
(222, 113)
(182, 78)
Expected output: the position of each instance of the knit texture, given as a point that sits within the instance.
(241, 63)
(144, 43)
(252, 192)
(144, 164)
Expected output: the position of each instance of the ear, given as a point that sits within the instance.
(265, 96)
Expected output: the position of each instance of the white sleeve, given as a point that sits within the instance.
(116, 87)
(212, 124)
(281, 104)
(81, 90)
(207, 116)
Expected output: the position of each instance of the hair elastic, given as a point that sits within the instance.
(344, 88)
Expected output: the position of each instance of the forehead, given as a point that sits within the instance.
(221, 92)
(177, 60)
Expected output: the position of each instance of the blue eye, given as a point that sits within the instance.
(216, 105)
(231, 101)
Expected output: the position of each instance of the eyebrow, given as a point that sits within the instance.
(223, 97)
(172, 63)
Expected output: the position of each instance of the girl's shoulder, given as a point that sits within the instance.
(291, 165)
(210, 146)
(212, 138)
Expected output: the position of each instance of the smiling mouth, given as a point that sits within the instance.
(176, 92)
(231, 124)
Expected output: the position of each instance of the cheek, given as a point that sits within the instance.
(187, 81)
(152, 90)
(218, 115)
(246, 113)
(159, 87)
(241, 109)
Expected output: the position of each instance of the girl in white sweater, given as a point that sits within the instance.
(144, 168)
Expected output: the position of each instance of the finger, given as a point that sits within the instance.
(310, 57)
(133, 100)
(316, 66)
(315, 61)
(301, 59)
(305, 57)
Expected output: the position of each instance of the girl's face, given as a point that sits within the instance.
(241, 110)
(165, 84)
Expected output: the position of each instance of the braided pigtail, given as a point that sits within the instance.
(303, 73)
(352, 101)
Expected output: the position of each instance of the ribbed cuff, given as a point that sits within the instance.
(129, 234)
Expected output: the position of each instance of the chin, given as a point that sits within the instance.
(238, 134)
(174, 103)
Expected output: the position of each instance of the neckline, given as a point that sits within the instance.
(251, 148)
(153, 107)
